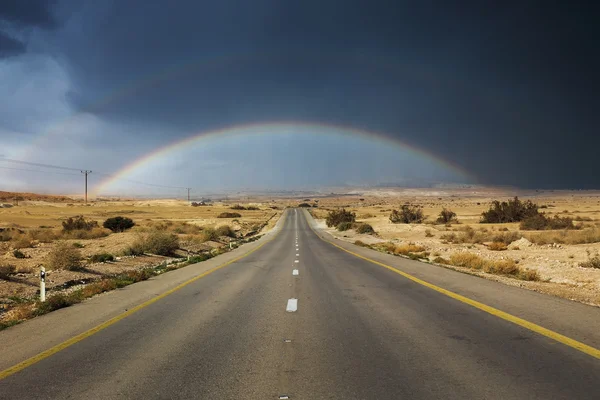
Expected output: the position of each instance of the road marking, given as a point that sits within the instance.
(584, 348)
(295, 272)
(297, 254)
(296, 261)
(78, 338)
(292, 305)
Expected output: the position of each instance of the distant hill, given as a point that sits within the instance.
(7, 197)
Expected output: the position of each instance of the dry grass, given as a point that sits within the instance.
(407, 249)
(469, 235)
(64, 256)
(585, 236)
(498, 267)
(497, 246)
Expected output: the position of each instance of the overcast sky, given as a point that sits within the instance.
(508, 91)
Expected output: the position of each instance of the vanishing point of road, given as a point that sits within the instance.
(302, 318)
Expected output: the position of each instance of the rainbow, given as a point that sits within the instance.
(274, 127)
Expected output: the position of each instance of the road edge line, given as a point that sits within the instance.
(78, 338)
(582, 347)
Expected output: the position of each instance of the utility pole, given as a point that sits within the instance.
(188, 189)
(86, 173)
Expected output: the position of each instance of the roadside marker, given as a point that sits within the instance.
(292, 305)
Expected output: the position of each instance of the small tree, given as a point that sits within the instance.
(336, 217)
(64, 256)
(78, 224)
(408, 214)
(446, 217)
(513, 210)
(118, 224)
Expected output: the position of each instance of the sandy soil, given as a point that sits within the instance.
(42, 215)
(557, 264)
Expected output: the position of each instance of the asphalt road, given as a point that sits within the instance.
(359, 332)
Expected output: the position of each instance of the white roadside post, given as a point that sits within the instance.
(42, 284)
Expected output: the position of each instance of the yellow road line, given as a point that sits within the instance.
(592, 351)
(53, 350)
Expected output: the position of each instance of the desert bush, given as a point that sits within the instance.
(252, 208)
(513, 210)
(64, 256)
(304, 205)
(592, 262)
(81, 234)
(42, 235)
(156, 242)
(21, 242)
(224, 230)
(19, 254)
(408, 214)
(387, 247)
(79, 223)
(101, 258)
(540, 222)
(584, 236)
(229, 215)
(118, 224)
(499, 267)
(238, 207)
(78, 245)
(361, 243)
(336, 217)
(182, 228)
(470, 235)
(6, 271)
(446, 216)
(344, 226)
(364, 229)
(497, 246)
(428, 233)
(407, 249)
(441, 260)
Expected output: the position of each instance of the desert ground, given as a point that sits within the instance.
(559, 257)
(33, 229)
(557, 262)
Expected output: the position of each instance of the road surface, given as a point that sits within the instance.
(302, 318)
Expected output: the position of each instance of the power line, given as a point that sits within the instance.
(38, 171)
(112, 176)
(39, 164)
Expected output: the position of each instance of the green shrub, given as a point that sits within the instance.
(19, 254)
(304, 205)
(78, 245)
(364, 229)
(509, 211)
(336, 217)
(101, 258)
(408, 214)
(64, 256)
(344, 226)
(229, 215)
(540, 222)
(79, 224)
(118, 224)
(446, 217)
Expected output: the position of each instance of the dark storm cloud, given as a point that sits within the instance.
(28, 13)
(19, 15)
(10, 46)
(507, 90)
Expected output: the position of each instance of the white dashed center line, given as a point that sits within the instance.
(295, 272)
(292, 305)
(296, 261)
(297, 254)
